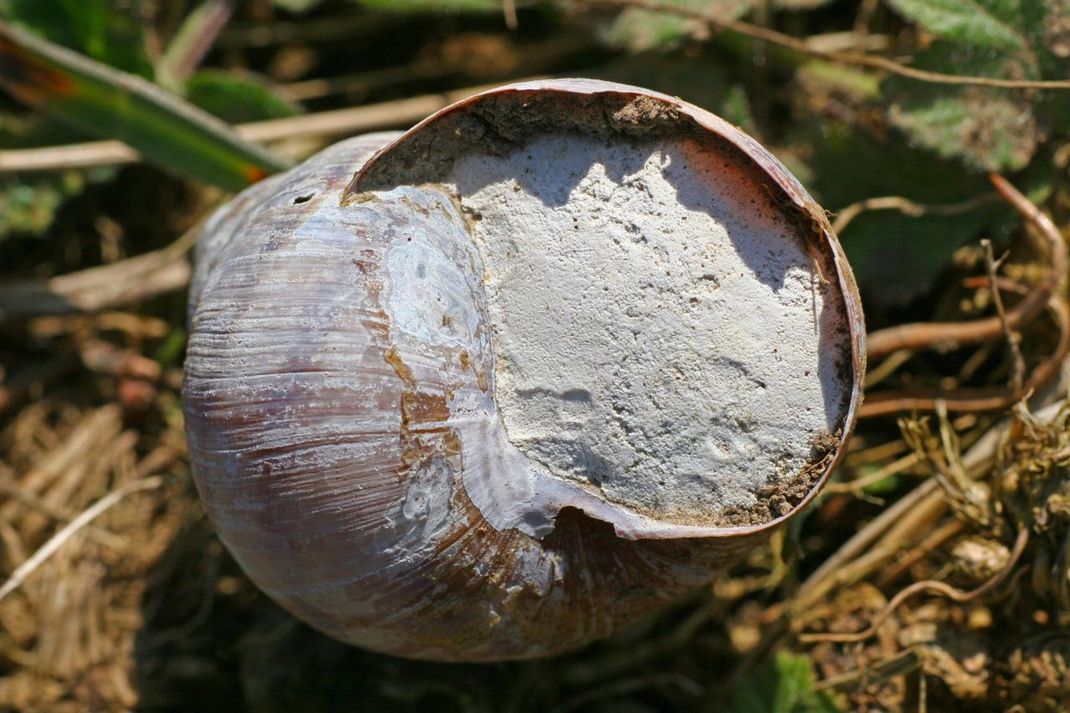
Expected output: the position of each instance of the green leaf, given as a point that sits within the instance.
(445, 6)
(638, 30)
(296, 6)
(237, 97)
(29, 205)
(169, 353)
(981, 23)
(818, 75)
(880, 487)
(95, 28)
(169, 132)
(785, 685)
(844, 164)
(990, 129)
(701, 80)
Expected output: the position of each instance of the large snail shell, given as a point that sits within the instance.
(544, 363)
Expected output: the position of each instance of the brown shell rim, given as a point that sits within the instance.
(779, 174)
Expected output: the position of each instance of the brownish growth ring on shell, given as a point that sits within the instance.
(544, 363)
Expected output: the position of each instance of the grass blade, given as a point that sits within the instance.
(95, 98)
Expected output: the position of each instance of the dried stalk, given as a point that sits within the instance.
(339, 122)
(9, 488)
(881, 538)
(60, 538)
(102, 425)
(902, 663)
(928, 585)
(99, 288)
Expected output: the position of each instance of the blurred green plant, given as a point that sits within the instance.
(28, 206)
(236, 96)
(102, 101)
(296, 6)
(95, 28)
(987, 128)
(83, 65)
(637, 30)
(434, 5)
(783, 685)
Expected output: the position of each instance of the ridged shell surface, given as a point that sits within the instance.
(342, 404)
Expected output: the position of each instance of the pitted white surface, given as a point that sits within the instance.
(656, 325)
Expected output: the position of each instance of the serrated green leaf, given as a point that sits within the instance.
(785, 685)
(981, 23)
(990, 129)
(237, 97)
(101, 101)
(736, 108)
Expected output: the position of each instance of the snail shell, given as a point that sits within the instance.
(544, 363)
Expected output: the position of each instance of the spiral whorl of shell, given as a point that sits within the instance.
(545, 362)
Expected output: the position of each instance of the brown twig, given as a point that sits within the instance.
(1017, 362)
(902, 663)
(866, 10)
(99, 288)
(932, 586)
(509, 13)
(906, 207)
(988, 398)
(764, 34)
(859, 555)
(930, 334)
(1003, 283)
